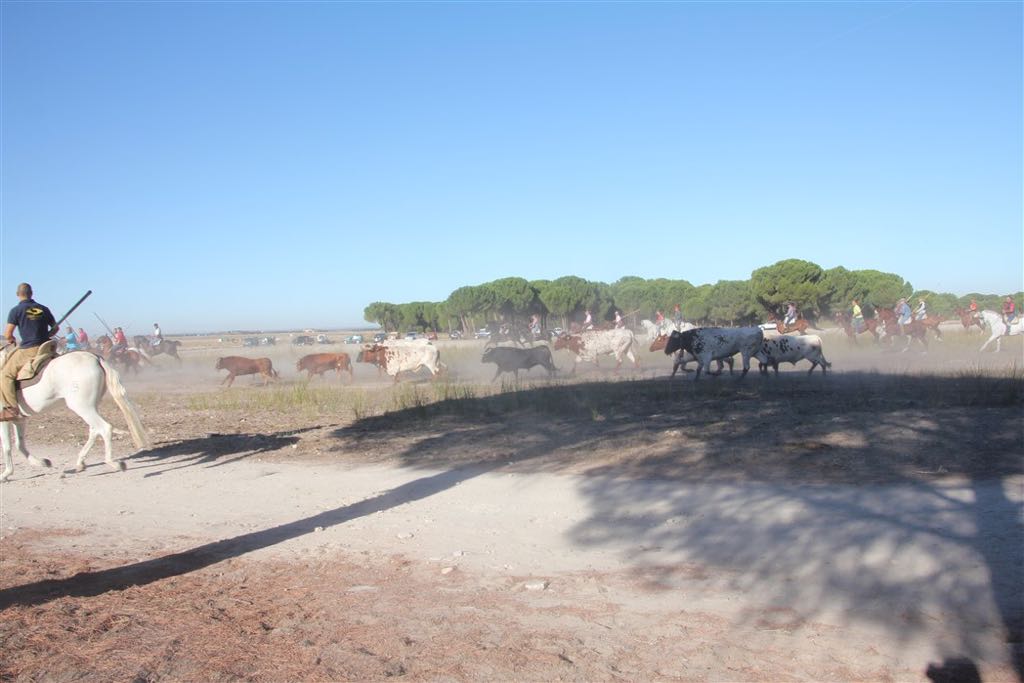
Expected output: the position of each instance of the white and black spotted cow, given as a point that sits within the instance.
(786, 349)
(717, 343)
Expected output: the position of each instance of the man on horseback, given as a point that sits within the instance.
(157, 335)
(858, 317)
(1009, 312)
(791, 314)
(120, 342)
(36, 325)
(902, 312)
(922, 310)
(71, 343)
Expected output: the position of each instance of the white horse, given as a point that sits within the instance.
(79, 378)
(654, 330)
(999, 329)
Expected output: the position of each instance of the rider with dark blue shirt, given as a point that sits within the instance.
(35, 324)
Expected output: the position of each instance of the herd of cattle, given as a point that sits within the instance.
(686, 344)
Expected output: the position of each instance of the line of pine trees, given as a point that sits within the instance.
(817, 293)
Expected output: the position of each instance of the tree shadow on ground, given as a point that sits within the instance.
(883, 499)
(92, 583)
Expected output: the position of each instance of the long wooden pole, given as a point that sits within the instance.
(104, 322)
(79, 303)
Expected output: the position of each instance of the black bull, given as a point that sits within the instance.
(513, 360)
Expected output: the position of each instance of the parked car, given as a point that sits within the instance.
(303, 340)
(556, 332)
(354, 339)
(251, 341)
(455, 334)
(268, 341)
(379, 337)
(323, 339)
(482, 333)
(412, 334)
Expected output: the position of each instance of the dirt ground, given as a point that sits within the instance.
(864, 525)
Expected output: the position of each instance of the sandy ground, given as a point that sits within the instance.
(746, 531)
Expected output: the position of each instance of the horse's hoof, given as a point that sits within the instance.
(80, 467)
(121, 466)
(46, 462)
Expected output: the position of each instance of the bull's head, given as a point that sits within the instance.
(220, 364)
(488, 354)
(659, 342)
(679, 340)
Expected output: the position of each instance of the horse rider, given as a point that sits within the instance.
(902, 312)
(619, 321)
(677, 316)
(535, 326)
(71, 340)
(858, 317)
(83, 339)
(973, 308)
(120, 342)
(588, 321)
(1009, 312)
(36, 325)
(922, 310)
(791, 314)
(157, 335)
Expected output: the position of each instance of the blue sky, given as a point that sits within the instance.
(268, 165)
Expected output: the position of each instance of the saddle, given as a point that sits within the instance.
(33, 369)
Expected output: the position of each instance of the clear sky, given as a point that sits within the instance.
(264, 165)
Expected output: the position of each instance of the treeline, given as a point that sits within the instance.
(817, 292)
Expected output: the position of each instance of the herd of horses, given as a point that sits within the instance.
(133, 357)
(886, 325)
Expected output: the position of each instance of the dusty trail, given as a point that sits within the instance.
(863, 526)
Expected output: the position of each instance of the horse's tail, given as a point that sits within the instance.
(120, 396)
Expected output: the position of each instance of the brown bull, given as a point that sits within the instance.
(236, 365)
(319, 363)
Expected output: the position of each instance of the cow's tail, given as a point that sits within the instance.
(120, 396)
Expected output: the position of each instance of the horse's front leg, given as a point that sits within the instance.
(5, 446)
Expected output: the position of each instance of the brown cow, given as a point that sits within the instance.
(236, 365)
(319, 363)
